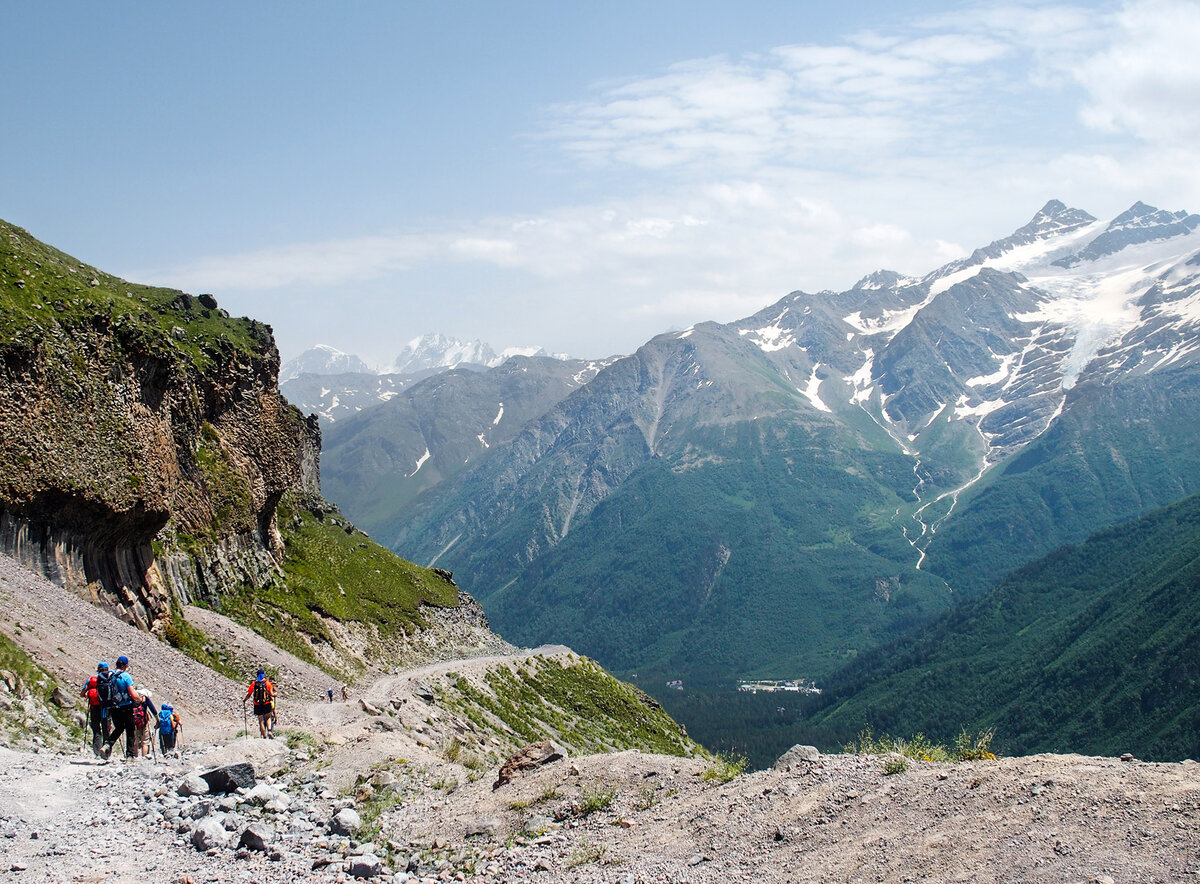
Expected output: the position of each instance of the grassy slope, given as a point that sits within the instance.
(334, 572)
(45, 289)
(575, 703)
(1095, 649)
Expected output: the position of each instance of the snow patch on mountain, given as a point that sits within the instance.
(812, 391)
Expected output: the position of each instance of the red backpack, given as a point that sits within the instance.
(139, 715)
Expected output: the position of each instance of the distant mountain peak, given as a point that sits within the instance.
(323, 359)
(438, 351)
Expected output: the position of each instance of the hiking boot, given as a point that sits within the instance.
(106, 750)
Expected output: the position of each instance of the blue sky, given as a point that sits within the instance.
(578, 176)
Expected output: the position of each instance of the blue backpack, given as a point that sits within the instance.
(166, 721)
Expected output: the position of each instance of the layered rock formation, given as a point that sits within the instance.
(144, 445)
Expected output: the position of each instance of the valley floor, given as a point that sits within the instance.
(430, 812)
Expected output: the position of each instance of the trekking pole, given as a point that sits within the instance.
(245, 720)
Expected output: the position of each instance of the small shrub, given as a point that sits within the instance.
(725, 766)
(895, 764)
(974, 747)
(646, 799)
(585, 853)
(595, 798)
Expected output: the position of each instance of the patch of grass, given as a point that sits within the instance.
(334, 572)
(40, 685)
(586, 852)
(575, 702)
(647, 798)
(895, 764)
(967, 746)
(550, 793)
(974, 747)
(725, 766)
(594, 798)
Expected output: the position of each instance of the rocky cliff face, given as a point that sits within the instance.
(144, 445)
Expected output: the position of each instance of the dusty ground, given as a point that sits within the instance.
(625, 817)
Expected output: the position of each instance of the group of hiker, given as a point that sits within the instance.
(117, 708)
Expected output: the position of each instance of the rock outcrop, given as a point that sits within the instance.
(144, 444)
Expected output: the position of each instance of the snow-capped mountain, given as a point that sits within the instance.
(830, 445)
(435, 351)
(323, 359)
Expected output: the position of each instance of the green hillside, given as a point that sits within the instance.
(1119, 451)
(1093, 649)
(770, 555)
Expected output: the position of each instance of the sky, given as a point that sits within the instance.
(576, 176)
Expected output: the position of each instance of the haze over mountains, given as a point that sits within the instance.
(773, 496)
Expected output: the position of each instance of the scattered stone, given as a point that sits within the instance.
(193, 784)
(369, 708)
(529, 758)
(488, 826)
(256, 836)
(366, 866)
(230, 778)
(797, 755)
(209, 834)
(424, 691)
(346, 821)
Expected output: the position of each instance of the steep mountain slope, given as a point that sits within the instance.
(147, 459)
(776, 467)
(1094, 648)
(377, 463)
(658, 514)
(335, 397)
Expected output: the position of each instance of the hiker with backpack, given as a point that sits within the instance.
(170, 731)
(120, 701)
(143, 713)
(97, 712)
(264, 703)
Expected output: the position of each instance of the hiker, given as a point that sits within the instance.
(264, 697)
(123, 697)
(97, 713)
(345, 693)
(170, 731)
(143, 714)
(331, 695)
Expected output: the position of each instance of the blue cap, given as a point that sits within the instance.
(122, 660)
(101, 666)
(261, 676)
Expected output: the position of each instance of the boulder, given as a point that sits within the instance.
(366, 866)
(368, 707)
(209, 833)
(263, 793)
(488, 826)
(207, 301)
(230, 778)
(796, 756)
(257, 836)
(193, 784)
(346, 821)
(530, 757)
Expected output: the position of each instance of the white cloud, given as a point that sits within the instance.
(808, 166)
(1147, 81)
